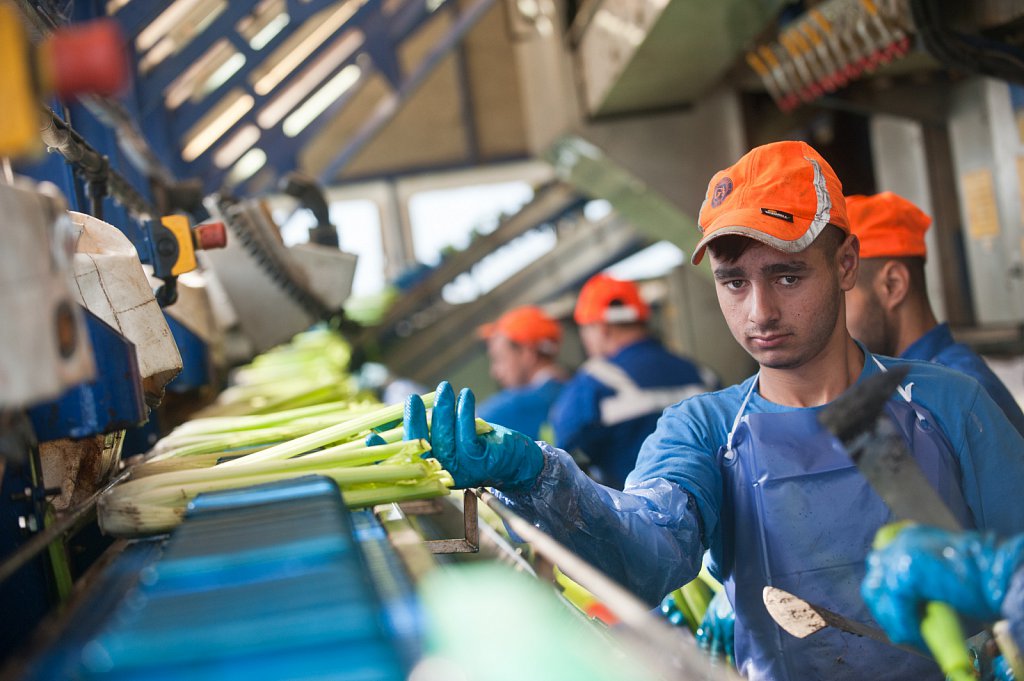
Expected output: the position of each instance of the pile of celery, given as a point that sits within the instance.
(253, 446)
(311, 369)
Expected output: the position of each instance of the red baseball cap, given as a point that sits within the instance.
(527, 325)
(888, 226)
(782, 194)
(611, 301)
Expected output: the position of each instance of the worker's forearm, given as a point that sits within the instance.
(648, 539)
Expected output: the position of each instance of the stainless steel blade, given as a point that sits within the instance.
(880, 453)
(883, 458)
(800, 618)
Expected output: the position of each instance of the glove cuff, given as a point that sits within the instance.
(536, 468)
(1006, 578)
(1013, 607)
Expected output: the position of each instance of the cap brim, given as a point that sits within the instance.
(768, 230)
(486, 331)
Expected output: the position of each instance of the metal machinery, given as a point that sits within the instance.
(140, 260)
(99, 336)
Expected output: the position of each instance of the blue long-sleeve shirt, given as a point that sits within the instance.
(651, 536)
(938, 346)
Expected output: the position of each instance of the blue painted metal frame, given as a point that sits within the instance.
(156, 82)
(53, 168)
(113, 401)
(384, 35)
(383, 113)
(104, 140)
(195, 359)
(136, 16)
(27, 595)
(387, 110)
(178, 122)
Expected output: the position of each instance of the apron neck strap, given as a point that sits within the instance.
(903, 390)
(743, 408)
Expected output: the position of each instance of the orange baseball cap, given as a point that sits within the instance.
(782, 194)
(611, 301)
(888, 226)
(527, 325)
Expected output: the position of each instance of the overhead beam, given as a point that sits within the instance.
(389, 106)
(550, 202)
(430, 353)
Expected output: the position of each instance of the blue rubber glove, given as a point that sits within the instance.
(502, 458)
(1001, 670)
(716, 633)
(374, 440)
(670, 610)
(968, 570)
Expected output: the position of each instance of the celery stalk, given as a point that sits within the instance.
(349, 458)
(342, 431)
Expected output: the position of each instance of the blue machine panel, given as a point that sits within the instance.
(195, 359)
(113, 401)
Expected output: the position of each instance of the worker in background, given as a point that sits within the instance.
(612, 404)
(523, 346)
(748, 471)
(889, 311)
(974, 573)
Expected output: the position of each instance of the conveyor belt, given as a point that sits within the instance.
(269, 582)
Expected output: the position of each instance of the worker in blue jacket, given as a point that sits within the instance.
(522, 346)
(889, 311)
(748, 472)
(612, 404)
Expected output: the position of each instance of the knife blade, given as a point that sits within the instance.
(880, 453)
(801, 618)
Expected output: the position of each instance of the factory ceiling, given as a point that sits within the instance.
(240, 93)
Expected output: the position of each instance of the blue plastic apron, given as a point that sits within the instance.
(802, 518)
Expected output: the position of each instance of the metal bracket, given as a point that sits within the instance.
(470, 522)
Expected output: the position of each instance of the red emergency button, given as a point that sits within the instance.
(88, 58)
(210, 235)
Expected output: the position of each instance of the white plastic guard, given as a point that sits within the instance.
(113, 286)
(44, 345)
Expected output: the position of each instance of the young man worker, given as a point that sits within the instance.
(747, 471)
(613, 402)
(522, 346)
(889, 311)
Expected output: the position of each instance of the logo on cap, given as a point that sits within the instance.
(780, 214)
(721, 191)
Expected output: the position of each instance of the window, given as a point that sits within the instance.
(656, 260)
(448, 218)
(358, 223)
